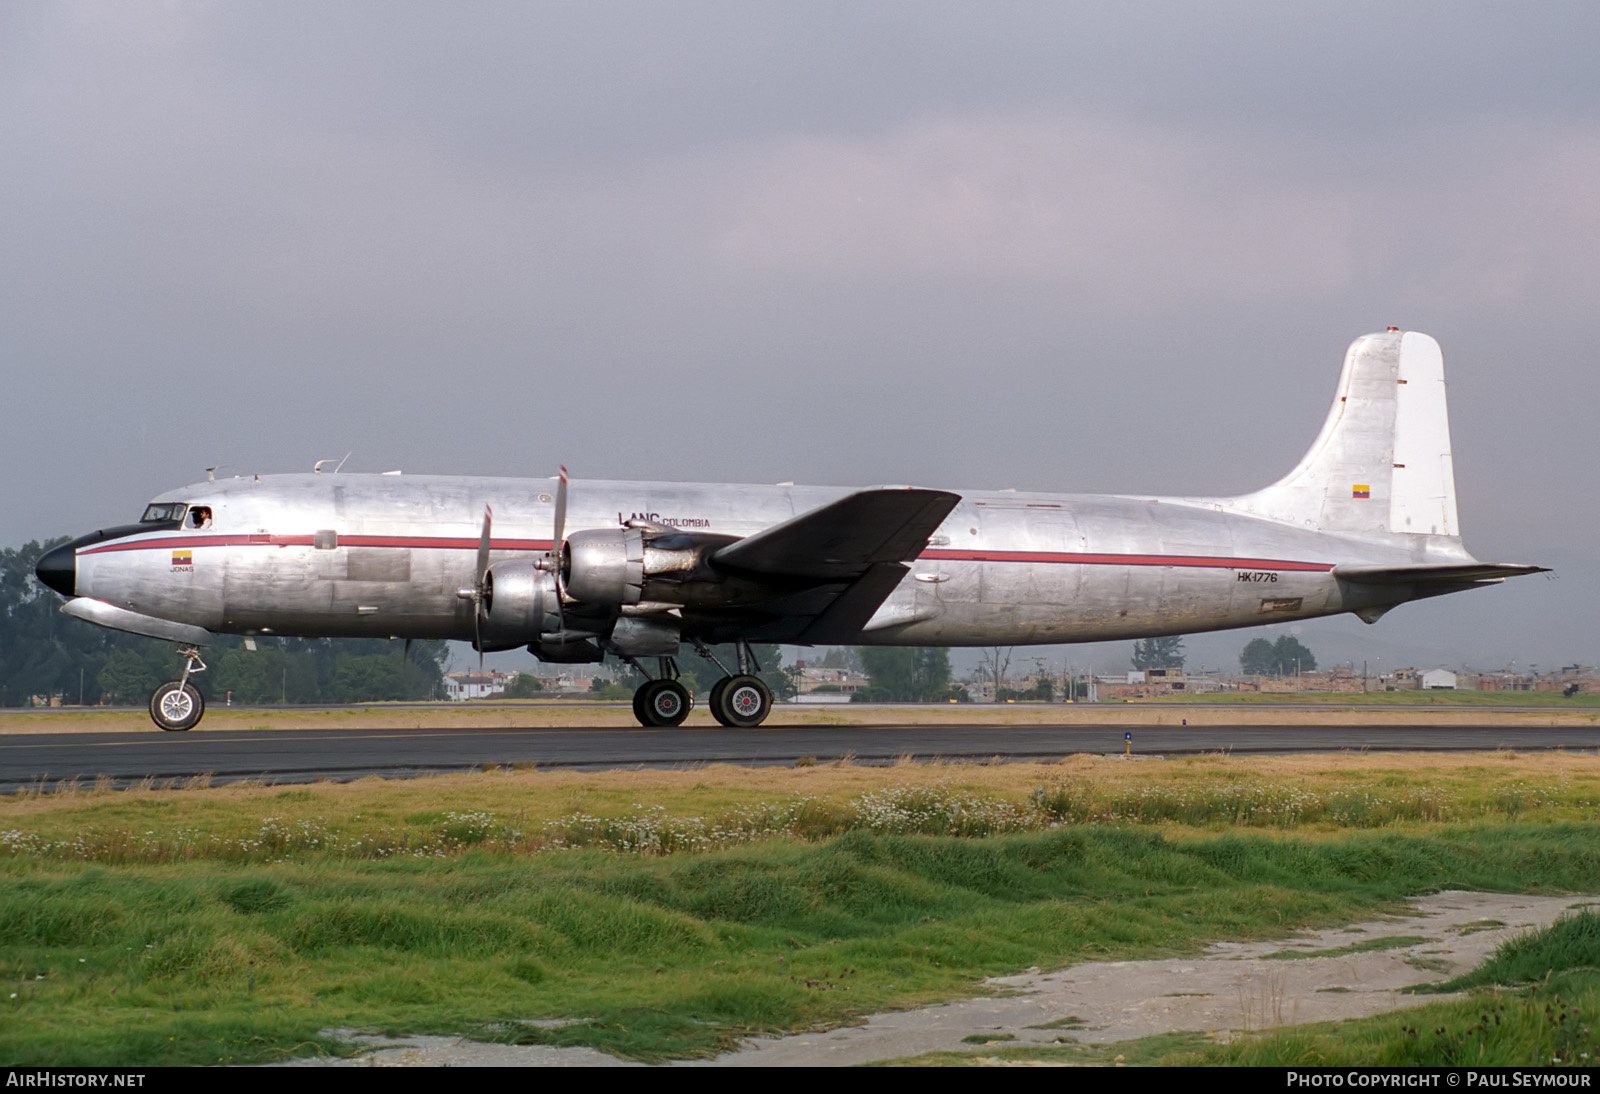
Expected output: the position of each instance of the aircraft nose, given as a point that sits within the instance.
(59, 569)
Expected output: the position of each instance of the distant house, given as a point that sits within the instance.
(461, 686)
(1438, 680)
(829, 685)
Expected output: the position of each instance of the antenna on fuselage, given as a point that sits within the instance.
(316, 468)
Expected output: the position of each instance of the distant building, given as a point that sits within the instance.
(1505, 681)
(1437, 680)
(461, 686)
(1157, 683)
(823, 685)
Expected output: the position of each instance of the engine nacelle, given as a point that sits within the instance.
(521, 603)
(603, 566)
(622, 567)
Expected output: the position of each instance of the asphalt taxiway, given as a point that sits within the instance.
(287, 756)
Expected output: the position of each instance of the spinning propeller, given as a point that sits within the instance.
(478, 593)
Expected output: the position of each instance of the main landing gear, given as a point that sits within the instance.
(739, 700)
(662, 702)
(177, 705)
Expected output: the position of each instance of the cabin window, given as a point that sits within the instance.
(160, 513)
(325, 539)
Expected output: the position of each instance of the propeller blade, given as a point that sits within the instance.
(483, 551)
(561, 510)
(479, 586)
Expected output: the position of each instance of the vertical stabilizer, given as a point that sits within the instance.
(1382, 461)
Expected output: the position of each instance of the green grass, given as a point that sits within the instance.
(663, 956)
(669, 914)
(1569, 946)
(1388, 942)
(262, 825)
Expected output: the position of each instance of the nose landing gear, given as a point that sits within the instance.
(177, 705)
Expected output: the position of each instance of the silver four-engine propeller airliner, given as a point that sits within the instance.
(1365, 522)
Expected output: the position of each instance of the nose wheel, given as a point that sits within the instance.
(177, 705)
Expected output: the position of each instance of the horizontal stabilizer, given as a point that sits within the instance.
(843, 539)
(1454, 573)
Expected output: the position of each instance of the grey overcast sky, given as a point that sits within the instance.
(1108, 247)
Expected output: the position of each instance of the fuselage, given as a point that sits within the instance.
(336, 555)
(1365, 521)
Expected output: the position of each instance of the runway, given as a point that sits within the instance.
(290, 756)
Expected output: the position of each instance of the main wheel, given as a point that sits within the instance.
(662, 703)
(176, 706)
(714, 700)
(744, 701)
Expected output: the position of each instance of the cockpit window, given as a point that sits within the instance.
(199, 517)
(163, 512)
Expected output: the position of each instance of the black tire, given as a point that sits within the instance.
(176, 707)
(638, 703)
(662, 703)
(714, 700)
(743, 702)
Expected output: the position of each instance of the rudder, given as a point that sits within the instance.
(1381, 463)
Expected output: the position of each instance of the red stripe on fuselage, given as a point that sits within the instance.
(461, 543)
(264, 540)
(1085, 558)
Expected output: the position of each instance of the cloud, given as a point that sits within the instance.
(1135, 216)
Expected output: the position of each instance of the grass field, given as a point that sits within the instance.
(666, 914)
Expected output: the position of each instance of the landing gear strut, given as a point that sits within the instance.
(739, 700)
(662, 702)
(176, 705)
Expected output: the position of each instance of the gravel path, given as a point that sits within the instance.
(1233, 987)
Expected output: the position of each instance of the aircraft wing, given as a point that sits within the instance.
(1462, 573)
(842, 540)
(839, 562)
